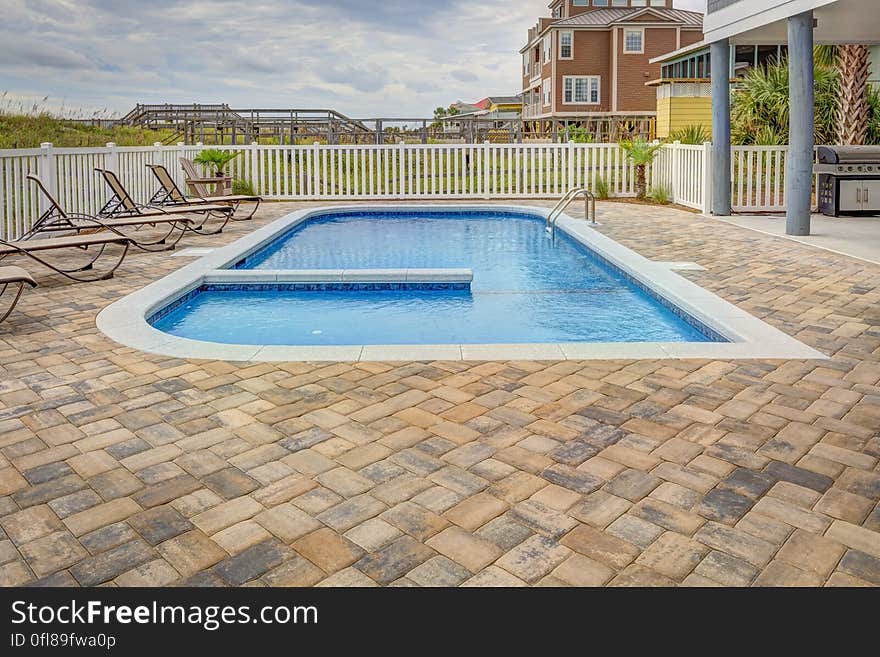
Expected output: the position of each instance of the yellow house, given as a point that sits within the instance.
(682, 103)
(504, 105)
(684, 90)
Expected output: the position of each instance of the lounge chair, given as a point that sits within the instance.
(72, 243)
(56, 219)
(199, 185)
(123, 205)
(14, 276)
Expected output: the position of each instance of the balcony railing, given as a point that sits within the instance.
(532, 110)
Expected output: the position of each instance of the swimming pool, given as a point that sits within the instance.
(526, 288)
(512, 295)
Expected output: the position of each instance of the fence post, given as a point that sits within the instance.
(112, 158)
(676, 170)
(707, 177)
(47, 173)
(255, 178)
(401, 189)
(486, 170)
(570, 182)
(316, 169)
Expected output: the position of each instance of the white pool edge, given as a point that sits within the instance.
(125, 321)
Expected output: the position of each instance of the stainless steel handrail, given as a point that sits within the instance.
(568, 199)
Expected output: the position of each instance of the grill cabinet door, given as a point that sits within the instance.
(851, 194)
(871, 195)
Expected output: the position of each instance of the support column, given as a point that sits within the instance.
(799, 172)
(720, 54)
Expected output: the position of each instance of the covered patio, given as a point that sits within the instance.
(857, 237)
(801, 24)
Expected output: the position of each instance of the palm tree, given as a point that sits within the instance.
(847, 107)
(855, 117)
(761, 104)
(641, 154)
(853, 109)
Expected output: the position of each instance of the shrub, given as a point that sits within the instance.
(693, 134)
(661, 194)
(601, 189)
(579, 135)
(243, 188)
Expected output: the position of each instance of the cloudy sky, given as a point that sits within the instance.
(364, 58)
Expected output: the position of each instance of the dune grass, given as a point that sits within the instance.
(25, 131)
(29, 125)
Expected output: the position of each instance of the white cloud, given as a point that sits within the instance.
(363, 58)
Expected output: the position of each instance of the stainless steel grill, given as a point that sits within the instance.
(849, 180)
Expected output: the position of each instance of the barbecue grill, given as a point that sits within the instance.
(849, 180)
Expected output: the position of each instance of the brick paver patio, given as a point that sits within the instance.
(118, 467)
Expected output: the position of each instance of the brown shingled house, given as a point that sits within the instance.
(588, 63)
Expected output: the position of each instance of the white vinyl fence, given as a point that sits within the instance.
(759, 178)
(683, 171)
(413, 172)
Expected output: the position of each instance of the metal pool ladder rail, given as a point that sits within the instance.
(568, 199)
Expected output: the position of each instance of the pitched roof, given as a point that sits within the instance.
(610, 16)
(505, 100)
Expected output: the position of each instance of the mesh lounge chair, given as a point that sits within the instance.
(93, 246)
(13, 276)
(171, 195)
(56, 219)
(123, 205)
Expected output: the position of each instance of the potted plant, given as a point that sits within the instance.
(218, 161)
(641, 153)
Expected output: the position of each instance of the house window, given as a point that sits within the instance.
(548, 49)
(547, 92)
(658, 3)
(633, 41)
(525, 65)
(620, 3)
(639, 3)
(581, 90)
(566, 45)
(600, 3)
(580, 3)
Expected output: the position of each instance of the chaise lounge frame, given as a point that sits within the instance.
(56, 219)
(121, 204)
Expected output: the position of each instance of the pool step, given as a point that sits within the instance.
(256, 276)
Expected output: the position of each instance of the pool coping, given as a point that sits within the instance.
(125, 321)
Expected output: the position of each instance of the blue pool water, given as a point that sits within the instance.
(526, 288)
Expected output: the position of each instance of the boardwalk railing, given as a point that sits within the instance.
(409, 172)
